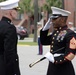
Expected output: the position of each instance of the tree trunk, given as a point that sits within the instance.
(35, 19)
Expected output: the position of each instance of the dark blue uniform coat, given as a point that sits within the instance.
(60, 38)
(9, 62)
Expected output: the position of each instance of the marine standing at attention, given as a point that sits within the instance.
(9, 61)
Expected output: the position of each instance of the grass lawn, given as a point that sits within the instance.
(27, 43)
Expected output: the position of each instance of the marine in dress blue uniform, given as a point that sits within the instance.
(9, 60)
(40, 47)
(59, 62)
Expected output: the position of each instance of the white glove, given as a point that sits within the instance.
(57, 55)
(49, 56)
(47, 25)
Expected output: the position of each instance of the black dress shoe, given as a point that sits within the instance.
(39, 54)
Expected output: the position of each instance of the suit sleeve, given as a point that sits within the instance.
(68, 50)
(45, 39)
(10, 49)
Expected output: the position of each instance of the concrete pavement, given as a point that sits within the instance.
(28, 54)
(26, 40)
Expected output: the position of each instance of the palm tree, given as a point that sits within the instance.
(2, 0)
(30, 7)
(49, 3)
(26, 7)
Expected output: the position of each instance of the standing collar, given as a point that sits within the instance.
(6, 19)
(62, 28)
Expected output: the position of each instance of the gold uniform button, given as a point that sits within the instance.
(56, 61)
(53, 38)
(16, 59)
(57, 31)
(52, 42)
(60, 28)
(60, 60)
(52, 46)
(55, 34)
(64, 59)
(51, 50)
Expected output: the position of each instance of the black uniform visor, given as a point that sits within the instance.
(55, 16)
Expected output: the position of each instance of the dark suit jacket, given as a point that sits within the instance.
(59, 39)
(9, 62)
